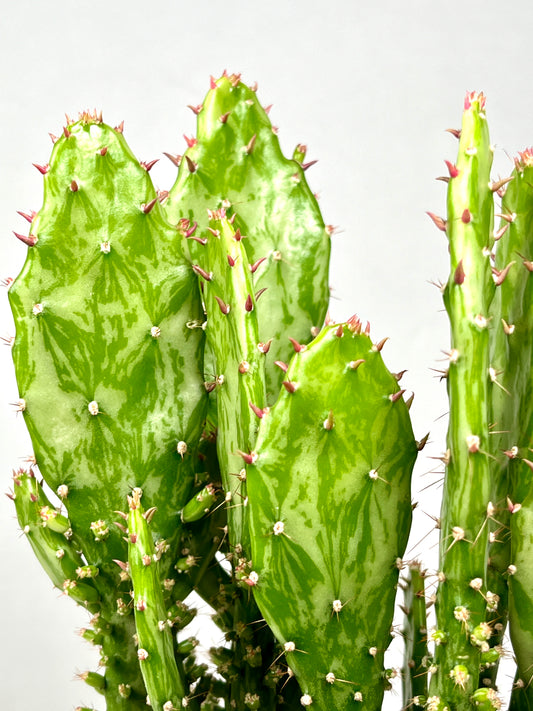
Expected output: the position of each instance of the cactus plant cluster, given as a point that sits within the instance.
(200, 424)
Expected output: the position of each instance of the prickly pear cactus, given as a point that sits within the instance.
(109, 370)
(330, 503)
(235, 161)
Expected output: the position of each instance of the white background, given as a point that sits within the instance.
(369, 86)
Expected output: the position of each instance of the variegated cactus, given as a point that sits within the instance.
(200, 425)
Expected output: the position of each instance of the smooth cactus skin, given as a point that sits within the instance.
(467, 488)
(236, 161)
(330, 515)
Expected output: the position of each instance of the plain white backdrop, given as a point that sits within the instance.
(370, 87)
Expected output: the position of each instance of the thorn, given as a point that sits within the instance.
(201, 241)
(499, 234)
(289, 386)
(214, 232)
(298, 347)
(453, 170)
(52, 137)
(175, 159)
(224, 117)
(329, 422)
(459, 274)
(29, 240)
(466, 217)
(121, 564)
(231, 261)
(264, 347)
(27, 216)
(455, 132)
(249, 458)
(438, 221)
(149, 165)
(253, 87)
(399, 376)
(379, 346)
(212, 83)
(422, 442)
(508, 329)
(66, 132)
(500, 275)
(255, 265)
(258, 411)
(354, 364)
(68, 120)
(120, 127)
(528, 264)
(409, 401)
(149, 514)
(74, 186)
(237, 236)
(147, 207)
(201, 272)
(103, 151)
(260, 292)
(190, 141)
(499, 184)
(195, 109)
(443, 178)
(396, 396)
(6, 281)
(307, 165)
(122, 515)
(225, 308)
(248, 304)
(191, 165)
(43, 169)
(251, 144)
(340, 331)
(508, 218)
(284, 367)
(191, 230)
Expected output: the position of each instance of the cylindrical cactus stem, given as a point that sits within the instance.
(164, 683)
(467, 488)
(415, 673)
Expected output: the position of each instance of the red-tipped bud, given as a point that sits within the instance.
(103, 151)
(298, 347)
(466, 217)
(437, 221)
(191, 165)
(249, 457)
(289, 386)
(475, 97)
(27, 216)
(453, 170)
(264, 347)
(225, 308)
(459, 274)
(224, 117)
(284, 367)
(148, 207)
(29, 240)
(74, 186)
(340, 331)
(120, 127)
(237, 236)
(195, 109)
(175, 159)
(201, 272)
(190, 140)
(149, 165)
(43, 169)
(255, 265)
(249, 304)
(231, 261)
(212, 83)
(258, 411)
(456, 132)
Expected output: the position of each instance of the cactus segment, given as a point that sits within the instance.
(236, 160)
(232, 334)
(467, 488)
(109, 369)
(415, 676)
(54, 550)
(330, 512)
(155, 650)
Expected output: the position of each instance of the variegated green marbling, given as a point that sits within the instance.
(164, 683)
(108, 369)
(467, 486)
(236, 161)
(330, 514)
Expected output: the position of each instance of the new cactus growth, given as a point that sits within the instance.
(198, 427)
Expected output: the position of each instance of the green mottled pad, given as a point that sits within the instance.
(155, 645)
(330, 511)
(236, 160)
(106, 360)
(55, 552)
(232, 334)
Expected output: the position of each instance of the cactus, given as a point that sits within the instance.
(199, 428)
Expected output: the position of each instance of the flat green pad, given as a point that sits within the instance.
(330, 510)
(108, 368)
(237, 159)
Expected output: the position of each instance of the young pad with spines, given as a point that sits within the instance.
(467, 487)
(330, 515)
(107, 364)
(236, 161)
